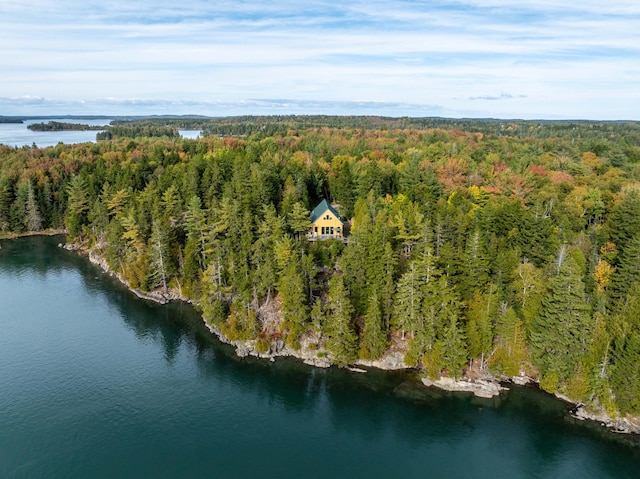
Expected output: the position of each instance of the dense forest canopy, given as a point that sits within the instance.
(512, 246)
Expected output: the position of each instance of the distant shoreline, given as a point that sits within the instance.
(9, 235)
(64, 126)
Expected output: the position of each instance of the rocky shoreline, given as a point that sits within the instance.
(483, 388)
(488, 386)
(156, 296)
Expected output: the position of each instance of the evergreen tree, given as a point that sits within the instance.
(373, 337)
(6, 198)
(625, 378)
(481, 310)
(341, 338)
(135, 265)
(411, 225)
(454, 346)
(117, 203)
(624, 328)
(293, 293)
(171, 202)
(343, 184)
(390, 263)
(511, 344)
(299, 220)
(197, 232)
(408, 301)
(34, 218)
(624, 222)
(270, 230)
(597, 362)
(159, 247)
(529, 286)
(476, 265)
(77, 205)
(628, 272)
(561, 330)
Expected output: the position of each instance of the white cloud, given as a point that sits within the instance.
(392, 51)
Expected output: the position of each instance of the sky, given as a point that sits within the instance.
(529, 59)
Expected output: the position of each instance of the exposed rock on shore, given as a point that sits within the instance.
(157, 296)
(487, 386)
(244, 348)
(623, 425)
(390, 361)
(480, 387)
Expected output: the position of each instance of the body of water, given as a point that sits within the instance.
(17, 134)
(190, 134)
(95, 382)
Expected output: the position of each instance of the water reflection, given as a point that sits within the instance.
(202, 388)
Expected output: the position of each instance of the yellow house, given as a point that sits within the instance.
(325, 223)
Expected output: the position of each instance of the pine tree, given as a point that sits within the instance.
(627, 274)
(481, 310)
(373, 337)
(454, 347)
(529, 287)
(624, 327)
(625, 378)
(293, 293)
(77, 205)
(34, 218)
(624, 221)
(171, 202)
(511, 344)
(341, 338)
(299, 220)
(161, 261)
(197, 233)
(597, 361)
(390, 263)
(263, 256)
(561, 330)
(411, 225)
(475, 270)
(135, 265)
(117, 202)
(408, 301)
(6, 198)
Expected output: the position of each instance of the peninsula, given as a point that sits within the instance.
(474, 250)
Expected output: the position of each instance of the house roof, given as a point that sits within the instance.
(321, 209)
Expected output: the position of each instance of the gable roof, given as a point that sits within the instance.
(321, 209)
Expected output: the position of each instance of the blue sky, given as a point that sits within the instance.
(468, 58)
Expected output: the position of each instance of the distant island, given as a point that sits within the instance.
(64, 126)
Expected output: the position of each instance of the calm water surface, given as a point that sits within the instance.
(17, 134)
(190, 134)
(97, 383)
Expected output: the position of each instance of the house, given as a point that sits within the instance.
(325, 223)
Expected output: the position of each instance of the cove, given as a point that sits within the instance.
(95, 382)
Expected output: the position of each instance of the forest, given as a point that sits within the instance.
(62, 126)
(510, 246)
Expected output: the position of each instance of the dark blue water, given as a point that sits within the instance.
(97, 383)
